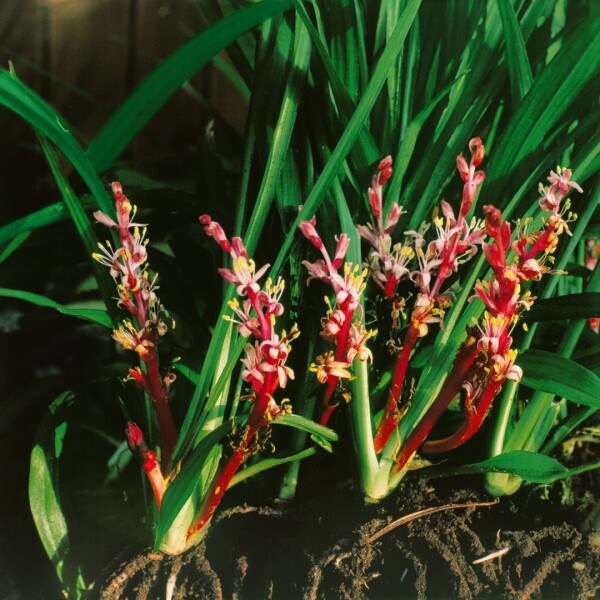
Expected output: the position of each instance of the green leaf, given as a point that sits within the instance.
(188, 479)
(83, 226)
(530, 466)
(269, 463)
(13, 245)
(44, 498)
(548, 372)
(348, 138)
(88, 314)
(17, 97)
(548, 101)
(139, 108)
(570, 306)
(190, 374)
(281, 136)
(340, 92)
(304, 424)
(40, 218)
(519, 68)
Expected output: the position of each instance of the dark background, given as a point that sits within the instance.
(83, 58)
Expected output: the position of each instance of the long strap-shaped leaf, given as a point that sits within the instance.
(519, 68)
(139, 108)
(355, 124)
(17, 97)
(44, 497)
(549, 98)
(95, 315)
(275, 161)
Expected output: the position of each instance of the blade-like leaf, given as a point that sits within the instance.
(269, 463)
(16, 96)
(44, 497)
(529, 466)
(354, 127)
(548, 372)
(185, 483)
(40, 218)
(89, 314)
(83, 226)
(137, 110)
(14, 244)
(548, 100)
(300, 422)
(519, 68)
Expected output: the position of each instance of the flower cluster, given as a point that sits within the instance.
(456, 242)
(339, 325)
(137, 294)
(264, 363)
(505, 302)
(128, 264)
(387, 262)
(502, 294)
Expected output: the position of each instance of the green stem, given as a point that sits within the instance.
(362, 433)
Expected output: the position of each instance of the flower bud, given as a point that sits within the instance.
(493, 220)
(477, 151)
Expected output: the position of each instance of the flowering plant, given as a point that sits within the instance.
(439, 327)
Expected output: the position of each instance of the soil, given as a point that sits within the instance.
(337, 547)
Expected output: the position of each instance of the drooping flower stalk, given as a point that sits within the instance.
(339, 325)
(128, 267)
(494, 357)
(456, 243)
(264, 362)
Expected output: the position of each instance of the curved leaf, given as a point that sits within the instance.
(17, 97)
(300, 422)
(352, 131)
(269, 463)
(44, 497)
(554, 374)
(137, 110)
(183, 486)
(529, 466)
(89, 314)
(519, 69)
(548, 100)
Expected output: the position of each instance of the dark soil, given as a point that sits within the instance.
(336, 547)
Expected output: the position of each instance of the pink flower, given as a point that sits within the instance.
(562, 180)
(309, 230)
(244, 275)
(503, 367)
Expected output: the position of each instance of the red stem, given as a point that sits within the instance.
(341, 354)
(166, 425)
(228, 467)
(391, 416)
(462, 363)
(474, 417)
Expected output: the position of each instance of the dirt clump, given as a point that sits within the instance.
(425, 543)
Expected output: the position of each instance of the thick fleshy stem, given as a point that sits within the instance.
(391, 414)
(462, 364)
(474, 416)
